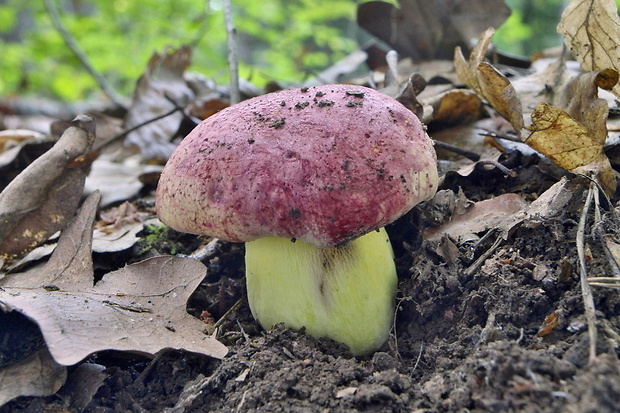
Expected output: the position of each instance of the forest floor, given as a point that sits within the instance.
(494, 324)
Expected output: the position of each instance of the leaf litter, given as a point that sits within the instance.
(499, 279)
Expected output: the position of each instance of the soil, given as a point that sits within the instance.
(468, 336)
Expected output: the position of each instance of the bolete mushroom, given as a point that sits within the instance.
(307, 178)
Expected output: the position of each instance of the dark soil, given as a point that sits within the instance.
(466, 337)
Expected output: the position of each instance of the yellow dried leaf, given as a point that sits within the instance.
(467, 70)
(561, 138)
(592, 31)
(500, 94)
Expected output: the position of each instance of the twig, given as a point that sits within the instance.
(481, 259)
(233, 65)
(79, 53)
(609, 282)
(586, 292)
(227, 313)
(486, 132)
(455, 149)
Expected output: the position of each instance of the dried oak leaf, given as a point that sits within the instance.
(37, 375)
(501, 95)
(161, 84)
(43, 197)
(561, 138)
(592, 31)
(488, 83)
(139, 308)
(467, 70)
(574, 139)
(423, 29)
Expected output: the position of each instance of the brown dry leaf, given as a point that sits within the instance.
(118, 179)
(501, 95)
(592, 30)
(44, 196)
(161, 82)
(467, 70)
(580, 98)
(423, 29)
(140, 308)
(561, 138)
(37, 375)
(574, 139)
(479, 217)
(456, 107)
(488, 83)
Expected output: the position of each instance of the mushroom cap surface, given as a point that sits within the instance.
(323, 164)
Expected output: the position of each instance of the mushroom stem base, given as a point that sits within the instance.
(344, 293)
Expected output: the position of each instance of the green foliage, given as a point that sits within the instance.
(281, 40)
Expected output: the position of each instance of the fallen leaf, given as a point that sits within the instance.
(561, 138)
(44, 196)
(479, 217)
(501, 95)
(118, 180)
(467, 70)
(430, 29)
(82, 385)
(37, 375)
(140, 308)
(457, 107)
(550, 323)
(161, 83)
(592, 30)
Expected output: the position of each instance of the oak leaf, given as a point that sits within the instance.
(592, 31)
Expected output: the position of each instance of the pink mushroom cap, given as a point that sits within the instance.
(322, 164)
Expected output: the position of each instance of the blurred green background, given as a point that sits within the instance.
(282, 40)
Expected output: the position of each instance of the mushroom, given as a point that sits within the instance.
(307, 178)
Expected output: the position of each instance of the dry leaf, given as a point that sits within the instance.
(118, 180)
(457, 106)
(580, 98)
(479, 217)
(550, 323)
(467, 70)
(574, 139)
(488, 83)
(423, 29)
(41, 199)
(70, 267)
(561, 138)
(161, 82)
(592, 30)
(37, 375)
(141, 307)
(501, 95)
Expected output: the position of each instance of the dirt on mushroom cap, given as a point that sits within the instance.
(322, 164)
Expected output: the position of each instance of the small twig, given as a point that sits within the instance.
(506, 137)
(79, 53)
(146, 122)
(609, 282)
(419, 357)
(586, 292)
(598, 230)
(227, 313)
(481, 259)
(233, 65)
(455, 149)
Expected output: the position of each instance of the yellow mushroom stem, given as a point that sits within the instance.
(345, 293)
